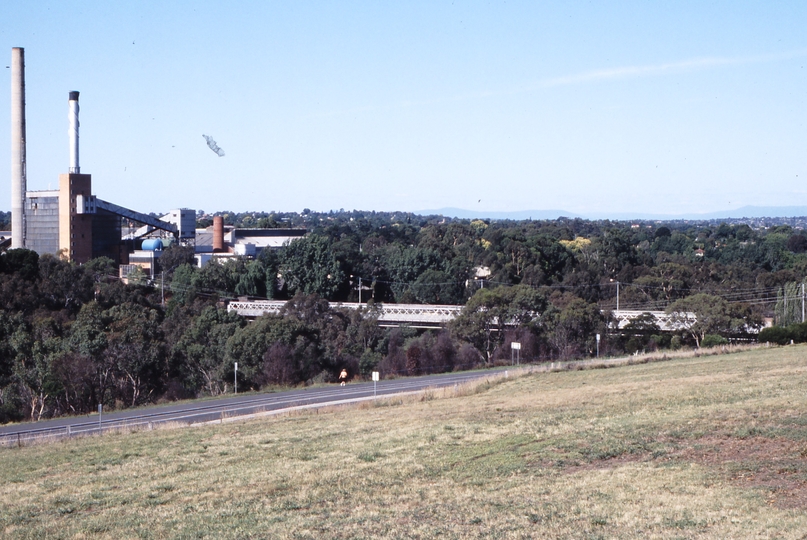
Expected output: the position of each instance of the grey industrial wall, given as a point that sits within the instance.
(42, 229)
(42, 224)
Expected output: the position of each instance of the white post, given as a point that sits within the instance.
(235, 374)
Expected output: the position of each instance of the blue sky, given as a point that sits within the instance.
(589, 107)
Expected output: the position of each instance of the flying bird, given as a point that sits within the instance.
(213, 146)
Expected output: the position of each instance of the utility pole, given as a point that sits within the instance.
(802, 302)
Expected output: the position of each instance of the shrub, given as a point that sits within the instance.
(775, 334)
(468, 357)
(798, 332)
(713, 340)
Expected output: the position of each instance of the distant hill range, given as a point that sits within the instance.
(739, 213)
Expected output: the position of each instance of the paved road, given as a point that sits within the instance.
(217, 409)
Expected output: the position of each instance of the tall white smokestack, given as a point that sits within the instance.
(73, 133)
(18, 181)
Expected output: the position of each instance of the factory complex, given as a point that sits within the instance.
(73, 223)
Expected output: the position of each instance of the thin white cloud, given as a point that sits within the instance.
(626, 72)
(660, 69)
(592, 76)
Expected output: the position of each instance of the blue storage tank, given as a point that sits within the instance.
(152, 244)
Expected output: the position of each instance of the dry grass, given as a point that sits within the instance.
(699, 447)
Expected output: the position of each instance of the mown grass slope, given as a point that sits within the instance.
(704, 447)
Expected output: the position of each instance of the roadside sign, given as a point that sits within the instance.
(515, 347)
(375, 376)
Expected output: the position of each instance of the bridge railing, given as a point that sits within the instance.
(388, 314)
(665, 321)
(427, 316)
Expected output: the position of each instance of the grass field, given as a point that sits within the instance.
(701, 447)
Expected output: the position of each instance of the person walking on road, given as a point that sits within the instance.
(343, 377)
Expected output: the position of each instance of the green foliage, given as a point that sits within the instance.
(73, 335)
(796, 333)
(489, 311)
(572, 330)
(789, 305)
(308, 265)
(436, 287)
(21, 262)
(712, 315)
(713, 340)
(174, 257)
(199, 355)
(405, 265)
(775, 334)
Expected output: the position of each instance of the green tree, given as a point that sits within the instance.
(64, 285)
(404, 265)
(788, 307)
(22, 262)
(183, 284)
(572, 330)
(36, 346)
(174, 257)
(308, 265)
(202, 350)
(702, 314)
(436, 287)
(490, 311)
(135, 351)
(252, 280)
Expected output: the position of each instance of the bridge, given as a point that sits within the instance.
(435, 316)
(414, 315)
(665, 321)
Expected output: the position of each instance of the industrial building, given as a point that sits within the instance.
(222, 241)
(69, 222)
(73, 223)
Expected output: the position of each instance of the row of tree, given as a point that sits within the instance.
(73, 336)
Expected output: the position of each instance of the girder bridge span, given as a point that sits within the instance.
(435, 316)
(389, 315)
